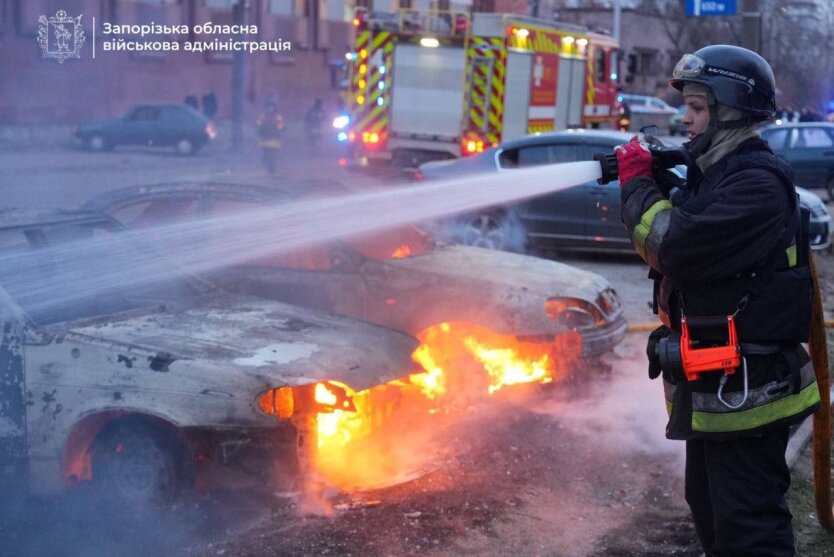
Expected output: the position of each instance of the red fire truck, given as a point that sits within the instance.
(429, 85)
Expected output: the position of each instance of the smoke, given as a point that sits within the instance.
(83, 523)
(626, 412)
(492, 230)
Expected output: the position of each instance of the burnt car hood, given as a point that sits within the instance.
(532, 274)
(281, 343)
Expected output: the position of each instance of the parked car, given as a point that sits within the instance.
(809, 147)
(400, 278)
(676, 125)
(167, 125)
(648, 104)
(644, 111)
(138, 385)
(585, 217)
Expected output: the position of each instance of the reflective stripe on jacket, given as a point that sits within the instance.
(728, 233)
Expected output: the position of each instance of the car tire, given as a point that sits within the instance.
(829, 188)
(98, 143)
(494, 230)
(186, 147)
(136, 463)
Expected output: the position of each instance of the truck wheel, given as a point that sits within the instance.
(136, 463)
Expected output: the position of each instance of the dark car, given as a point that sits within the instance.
(167, 125)
(585, 217)
(809, 147)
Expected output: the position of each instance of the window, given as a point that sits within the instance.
(281, 7)
(397, 243)
(145, 113)
(546, 154)
(776, 138)
(599, 65)
(158, 212)
(812, 138)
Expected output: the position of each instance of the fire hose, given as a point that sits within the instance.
(818, 348)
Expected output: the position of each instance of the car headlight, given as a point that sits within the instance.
(573, 313)
(277, 402)
(817, 209)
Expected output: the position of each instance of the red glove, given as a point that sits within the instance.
(633, 159)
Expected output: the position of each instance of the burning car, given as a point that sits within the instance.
(121, 370)
(401, 278)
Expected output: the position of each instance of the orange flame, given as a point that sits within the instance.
(506, 367)
(401, 252)
(360, 435)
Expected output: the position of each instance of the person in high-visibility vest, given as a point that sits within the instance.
(729, 256)
(270, 129)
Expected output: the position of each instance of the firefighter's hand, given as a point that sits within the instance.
(667, 181)
(633, 159)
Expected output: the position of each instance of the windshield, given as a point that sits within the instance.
(396, 243)
(61, 272)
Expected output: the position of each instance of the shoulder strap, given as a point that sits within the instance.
(794, 228)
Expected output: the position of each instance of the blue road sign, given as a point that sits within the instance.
(710, 7)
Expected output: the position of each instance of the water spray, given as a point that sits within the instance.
(147, 256)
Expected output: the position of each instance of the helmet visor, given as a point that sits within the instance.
(688, 66)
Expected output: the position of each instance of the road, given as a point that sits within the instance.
(580, 469)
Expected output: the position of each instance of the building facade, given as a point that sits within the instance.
(38, 89)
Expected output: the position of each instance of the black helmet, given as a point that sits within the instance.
(738, 78)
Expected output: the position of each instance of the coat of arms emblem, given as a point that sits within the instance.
(61, 36)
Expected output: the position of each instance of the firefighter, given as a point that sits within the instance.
(728, 241)
(270, 129)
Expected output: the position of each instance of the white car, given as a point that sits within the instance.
(645, 104)
(140, 387)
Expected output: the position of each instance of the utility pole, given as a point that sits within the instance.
(238, 78)
(615, 30)
(751, 25)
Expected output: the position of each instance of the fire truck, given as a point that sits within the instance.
(442, 84)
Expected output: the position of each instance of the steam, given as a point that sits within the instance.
(627, 413)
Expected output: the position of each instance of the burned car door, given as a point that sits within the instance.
(12, 402)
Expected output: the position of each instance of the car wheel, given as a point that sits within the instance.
(186, 147)
(486, 230)
(98, 142)
(829, 188)
(136, 463)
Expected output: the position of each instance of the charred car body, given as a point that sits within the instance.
(400, 278)
(144, 382)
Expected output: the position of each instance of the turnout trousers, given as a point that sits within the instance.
(736, 492)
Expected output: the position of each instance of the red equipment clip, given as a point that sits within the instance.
(716, 358)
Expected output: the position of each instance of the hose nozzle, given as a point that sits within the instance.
(663, 157)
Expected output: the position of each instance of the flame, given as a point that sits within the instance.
(401, 252)
(338, 428)
(432, 383)
(374, 437)
(506, 367)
